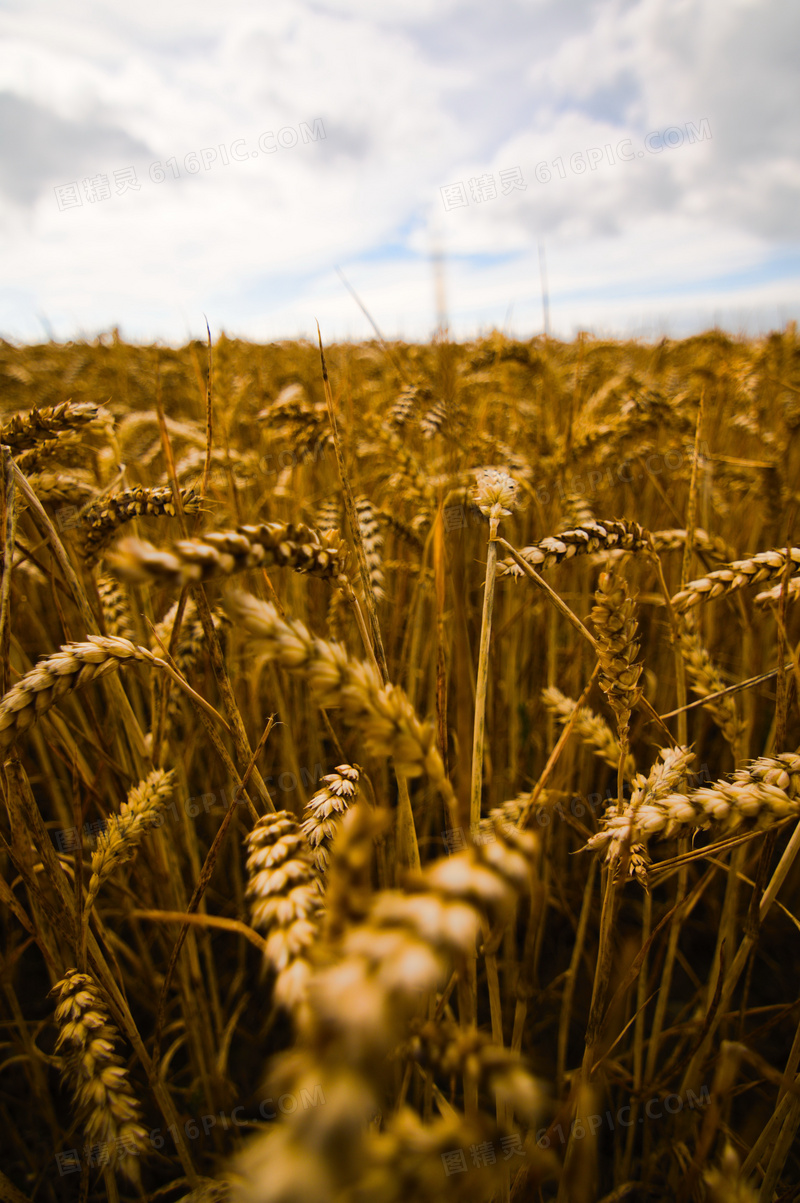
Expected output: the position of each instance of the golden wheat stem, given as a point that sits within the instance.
(680, 666)
(783, 1147)
(201, 920)
(572, 974)
(666, 973)
(204, 878)
(479, 731)
(9, 1192)
(602, 977)
(209, 422)
(9, 536)
(638, 1036)
(691, 509)
(240, 740)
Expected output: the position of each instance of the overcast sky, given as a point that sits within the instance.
(162, 161)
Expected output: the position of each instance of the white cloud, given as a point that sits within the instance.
(417, 95)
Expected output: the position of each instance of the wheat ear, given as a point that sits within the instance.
(758, 796)
(372, 540)
(104, 518)
(583, 540)
(285, 900)
(55, 676)
(282, 544)
(382, 714)
(119, 841)
(75, 665)
(614, 619)
(96, 1073)
(766, 566)
(26, 430)
(63, 488)
(358, 1008)
(114, 603)
(590, 727)
(705, 681)
(325, 810)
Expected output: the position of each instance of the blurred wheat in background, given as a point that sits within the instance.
(401, 771)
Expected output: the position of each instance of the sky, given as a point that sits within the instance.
(636, 162)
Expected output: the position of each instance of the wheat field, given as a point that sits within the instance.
(401, 771)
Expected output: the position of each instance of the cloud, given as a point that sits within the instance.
(412, 97)
(40, 148)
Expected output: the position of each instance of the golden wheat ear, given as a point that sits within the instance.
(766, 566)
(74, 666)
(26, 430)
(590, 727)
(586, 539)
(325, 811)
(223, 553)
(96, 1073)
(115, 605)
(102, 520)
(119, 842)
(614, 619)
(284, 900)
